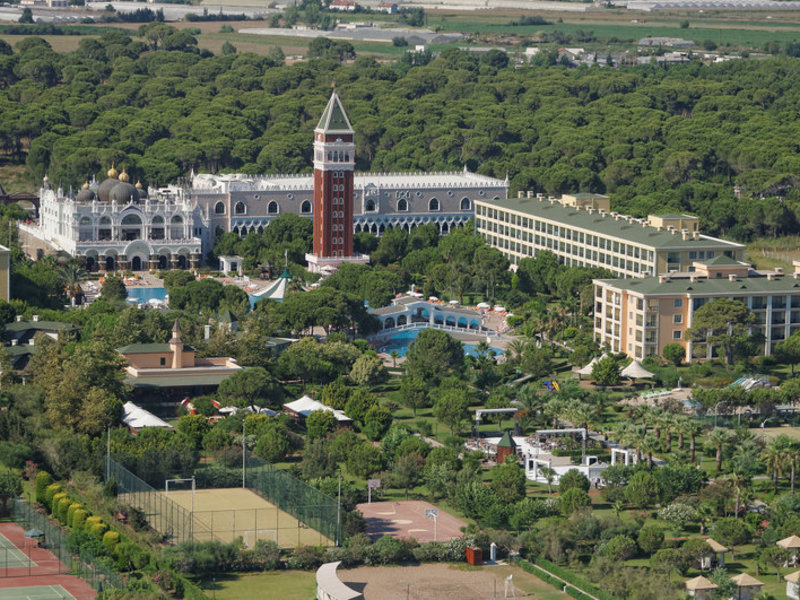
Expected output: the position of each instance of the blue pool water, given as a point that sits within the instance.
(140, 295)
(402, 339)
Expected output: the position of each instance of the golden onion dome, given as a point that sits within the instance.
(124, 176)
(85, 186)
(112, 172)
(138, 185)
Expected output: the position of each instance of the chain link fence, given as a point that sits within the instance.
(300, 514)
(305, 503)
(168, 517)
(83, 564)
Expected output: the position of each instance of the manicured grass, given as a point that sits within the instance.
(286, 585)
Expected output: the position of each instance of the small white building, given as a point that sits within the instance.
(343, 5)
(793, 585)
(387, 7)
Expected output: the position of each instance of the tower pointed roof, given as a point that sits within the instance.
(176, 334)
(333, 117)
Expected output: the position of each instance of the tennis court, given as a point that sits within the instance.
(36, 592)
(12, 557)
(228, 513)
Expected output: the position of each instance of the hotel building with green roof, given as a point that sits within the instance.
(581, 230)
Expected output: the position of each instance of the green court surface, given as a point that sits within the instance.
(12, 557)
(37, 592)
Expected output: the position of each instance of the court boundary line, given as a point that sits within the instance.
(61, 592)
(16, 553)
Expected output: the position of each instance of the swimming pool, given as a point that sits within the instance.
(140, 295)
(402, 339)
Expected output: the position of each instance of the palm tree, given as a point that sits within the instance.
(774, 458)
(704, 514)
(693, 429)
(648, 445)
(790, 459)
(669, 423)
(629, 436)
(395, 355)
(515, 348)
(549, 475)
(719, 437)
(529, 402)
(739, 479)
(555, 408)
(681, 428)
(617, 506)
(71, 274)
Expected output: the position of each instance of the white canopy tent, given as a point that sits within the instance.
(137, 418)
(587, 370)
(305, 405)
(635, 370)
(277, 290)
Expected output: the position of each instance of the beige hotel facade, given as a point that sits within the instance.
(581, 230)
(641, 316)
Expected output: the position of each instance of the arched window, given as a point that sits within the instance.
(305, 207)
(370, 206)
(465, 204)
(157, 228)
(239, 209)
(272, 208)
(219, 208)
(85, 231)
(346, 157)
(176, 227)
(433, 204)
(104, 231)
(131, 227)
(402, 205)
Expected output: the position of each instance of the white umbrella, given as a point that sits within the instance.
(453, 302)
(635, 370)
(433, 298)
(484, 305)
(499, 308)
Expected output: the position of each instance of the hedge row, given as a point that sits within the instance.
(576, 593)
(572, 578)
(543, 575)
(68, 512)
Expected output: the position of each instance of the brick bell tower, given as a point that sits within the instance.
(334, 162)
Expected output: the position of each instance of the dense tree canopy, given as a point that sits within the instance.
(676, 139)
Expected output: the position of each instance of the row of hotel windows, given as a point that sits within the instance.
(578, 252)
(579, 237)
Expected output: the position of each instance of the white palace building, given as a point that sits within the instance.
(118, 225)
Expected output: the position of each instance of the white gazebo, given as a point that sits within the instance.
(792, 544)
(700, 588)
(635, 370)
(719, 555)
(587, 370)
(747, 587)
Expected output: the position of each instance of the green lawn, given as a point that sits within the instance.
(286, 585)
